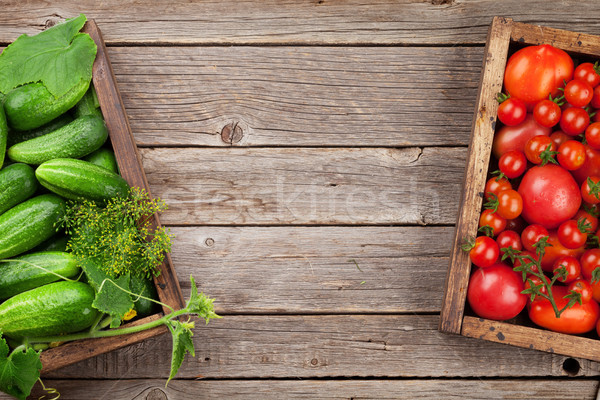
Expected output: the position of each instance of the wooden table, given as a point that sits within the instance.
(312, 155)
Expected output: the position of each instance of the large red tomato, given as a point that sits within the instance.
(550, 196)
(534, 72)
(514, 137)
(574, 320)
(495, 292)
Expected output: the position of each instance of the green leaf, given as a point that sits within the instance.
(60, 57)
(19, 371)
(200, 305)
(182, 344)
(111, 294)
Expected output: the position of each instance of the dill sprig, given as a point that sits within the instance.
(119, 236)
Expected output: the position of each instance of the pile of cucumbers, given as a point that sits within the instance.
(51, 150)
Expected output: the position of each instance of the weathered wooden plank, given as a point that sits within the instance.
(258, 186)
(282, 22)
(313, 269)
(154, 389)
(326, 346)
(299, 96)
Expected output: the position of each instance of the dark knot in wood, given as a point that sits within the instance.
(232, 133)
(157, 394)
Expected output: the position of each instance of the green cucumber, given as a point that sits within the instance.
(15, 137)
(30, 223)
(32, 105)
(146, 288)
(19, 275)
(78, 179)
(54, 309)
(88, 105)
(17, 184)
(57, 242)
(104, 158)
(74, 140)
(3, 135)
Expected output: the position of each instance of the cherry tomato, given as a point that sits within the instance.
(596, 98)
(547, 113)
(571, 265)
(583, 287)
(514, 137)
(510, 204)
(536, 146)
(588, 219)
(485, 252)
(590, 190)
(495, 186)
(513, 163)
(559, 137)
(590, 260)
(508, 239)
(592, 135)
(495, 292)
(550, 195)
(578, 93)
(533, 280)
(574, 121)
(517, 225)
(555, 250)
(570, 235)
(531, 235)
(512, 111)
(534, 72)
(575, 320)
(588, 73)
(571, 155)
(591, 166)
(493, 220)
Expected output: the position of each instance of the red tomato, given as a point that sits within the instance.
(575, 320)
(590, 260)
(510, 204)
(513, 163)
(582, 287)
(574, 121)
(570, 235)
(512, 111)
(592, 135)
(587, 219)
(595, 290)
(495, 292)
(534, 72)
(571, 266)
(495, 186)
(556, 250)
(514, 137)
(578, 93)
(485, 252)
(493, 220)
(571, 155)
(550, 196)
(559, 137)
(547, 113)
(508, 239)
(596, 98)
(517, 225)
(587, 72)
(590, 167)
(590, 190)
(531, 235)
(538, 145)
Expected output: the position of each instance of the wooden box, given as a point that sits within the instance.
(131, 169)
(504, 36)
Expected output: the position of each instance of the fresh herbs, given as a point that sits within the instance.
(59, 57)
(119, 237)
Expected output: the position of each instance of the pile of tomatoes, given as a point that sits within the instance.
(545, 187)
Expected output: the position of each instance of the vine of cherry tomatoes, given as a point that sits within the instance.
(538, 246)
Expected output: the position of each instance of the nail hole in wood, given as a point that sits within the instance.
(571, 366)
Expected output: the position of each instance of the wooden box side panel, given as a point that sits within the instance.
(482, 134)
(569, 41)
(131, 169)
(531, 338)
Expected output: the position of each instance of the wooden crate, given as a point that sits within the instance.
(131, 169)
(504, 35)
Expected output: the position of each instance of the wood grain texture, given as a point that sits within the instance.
(288, 21)
(299, 96)
(325, 346)
(239, 186)
(476, 389)
(313, 269)
(475, 176)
